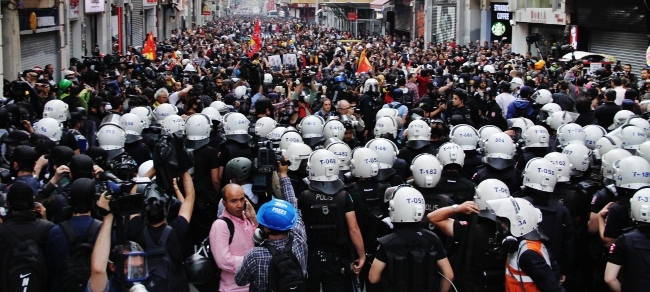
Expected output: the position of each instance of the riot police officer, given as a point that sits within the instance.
(418, 135)
(389, 164)
(499, 161)
(535, 145)
(297, 154)
(237, 138)
(467, 138)
(134, 145)
(451, 183)
(427, 171)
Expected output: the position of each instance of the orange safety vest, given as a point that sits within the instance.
(514, 276)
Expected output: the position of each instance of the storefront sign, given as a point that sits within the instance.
(94, 6)
(500, 15)
(352, 16)
(205, 10)
(73, 10)
(149, 3)
(541, 15)
(573, 37)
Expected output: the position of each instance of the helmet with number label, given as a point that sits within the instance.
(571, 133)
(608, 160)
(489, 189)
(641, 123)
(236, 127)
(426, 170)
(264, 126)
(49, 127)
(386, 125)
(485, 132)
(499, 151)
(163, 111)
(111, 138)
(419, 134)
(606, 144)
(592, 134)
(387, 152)
(521, 123)
(560, 118)
(343, 152)
(323, 169)
(172, 124)
(540, 174)
(632, 172)
(632, 136)
(562, 164)
(389, 112)
(311, 128)
(56, 109)
(536, 137)
(296, 153)
(579, 156)
(221, 107)
(542, 96)
(333, 129)
(371, 85)
(449, 153)
(644, 150)
(406, 205)
(132, 125)
(276, 135)
(640, 205)
(465, 136)
(213, 114)
(145, 113)
(288, 137)
(364, 163)
(620, 118)
(197, 129)
(547, 110)
(523, 216)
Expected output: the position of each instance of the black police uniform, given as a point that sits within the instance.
(473, 160)
(509, 176)
(411, 255)
(597, 250)
(232, 149)
(408, 154)
(433, 201)
(139, 151)
(631, 251)
(456, 187)
(528, 154)
(297, 181)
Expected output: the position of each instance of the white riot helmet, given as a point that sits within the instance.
(56, 109)
(364, 163)
(132, 125)
(579, 156)
(343, 152)
(163, 111)
(387, 152)
(523, 216)
(145, 113)
(333, 129)
(465, 136)
(606, 144)
(536, 137)
(560, 118)
(172, 124)
(406, 205)
(485, 132)
(264, 126)
(499, 151)
(240, 92)
(221, 107)
(489, 68)
(426, 170)
(388, 112)
(632, 172)
(289, 137)
(547, 110)
(644, 150)
(571, 134)
(521, 123)
(296, 153)
(386, 125)
(620, 118)
(111, 138)
(562, 164)
(323, 169)
(592, 134)
(213, 114)
(371, 85)
(540, 174)
(641, 123)
(632, 136)
(197, 129)
(607, 166)
(640, 205)
(451, 153)
(144, 168)
(268, 79)
(49, 127)
(542, 96)
(489, 189)
(311, 128)
(276, 135)
(419, 134)
(236, 127)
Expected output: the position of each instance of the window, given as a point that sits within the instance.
(535, 3)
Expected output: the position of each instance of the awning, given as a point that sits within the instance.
(378, 5)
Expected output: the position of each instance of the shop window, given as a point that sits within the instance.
(535, 3)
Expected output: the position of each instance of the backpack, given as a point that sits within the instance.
(75, 269)
(285, 272)
(205, 251)
(163, 274)
(24, 262)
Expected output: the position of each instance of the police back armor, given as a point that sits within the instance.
(370, 209)
(634, 274)
(324, 217)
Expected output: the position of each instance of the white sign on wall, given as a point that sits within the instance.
(94, 6)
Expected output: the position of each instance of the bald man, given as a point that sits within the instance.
(230, 254)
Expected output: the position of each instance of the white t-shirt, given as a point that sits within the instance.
(504, 100)
(620, 95)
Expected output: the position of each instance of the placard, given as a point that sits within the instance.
(290, 59)
(276, 63)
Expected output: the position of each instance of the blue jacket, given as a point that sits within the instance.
(520, 104)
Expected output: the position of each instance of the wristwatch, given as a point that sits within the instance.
(454, 207)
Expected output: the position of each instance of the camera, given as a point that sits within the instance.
(267, 158)
(348, 123)
(118, 192)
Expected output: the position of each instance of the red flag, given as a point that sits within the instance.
(149, 49)
(364, 65)
(257, 38)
